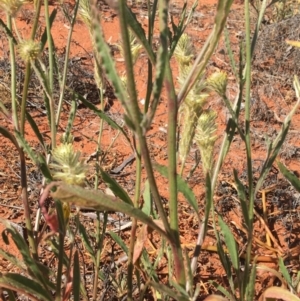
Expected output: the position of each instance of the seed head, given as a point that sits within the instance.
(29, 50)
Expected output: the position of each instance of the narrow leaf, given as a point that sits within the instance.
(26, 286)
(115, 187)
(285, 272)
(35, 129)
(119, 241)
(230, 243)
(103, 116)
(97, 200)
(139, 32)
(7, 134)
(86, 241)
(289, 176)
(38, 159)
(182, 186)
(107, 62)
(76, 277)
(242, 197)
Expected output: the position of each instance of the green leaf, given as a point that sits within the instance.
(250, 291)
(285, 272)
(44, 35)
(38, 159)
(39, 271)
(107, 62)
(115, 187)
(7, 134)
(97, 200)
(13, 259)
(289, 176)
(26, 286)
(230, 243)
(8, 32)
(209, 201)
(223, 290)
(182, 187)
(119, 241)
(35, 129)
(168, 291)
(102, 115)
(242, 197)
(276, 145)
(86, 241)
(76, 277)
(71, 119)
(139, 32)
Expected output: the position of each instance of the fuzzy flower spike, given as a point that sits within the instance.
(11, 7)
(67, 166)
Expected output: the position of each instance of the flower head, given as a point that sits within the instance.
(67, 165)
(183, 51)
(218, 82)
(29, 50)
(205, 137)
(11, 6)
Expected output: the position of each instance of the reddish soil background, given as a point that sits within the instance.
(282, 200)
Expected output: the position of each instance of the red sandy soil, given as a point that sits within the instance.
(86, 129)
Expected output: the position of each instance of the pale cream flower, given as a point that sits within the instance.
(29, 50)
(67, 165)
(11, 7)
(218, 82)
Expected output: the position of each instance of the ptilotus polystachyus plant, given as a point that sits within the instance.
(205, 138)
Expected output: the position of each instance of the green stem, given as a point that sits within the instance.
(135, 115)
(21, 152)
(138, 178)
(66, 65)
(24, 97)
(13, 76)
(51, 74)
(248, 144)
(172, 176)
(36, 18)
(99, 242)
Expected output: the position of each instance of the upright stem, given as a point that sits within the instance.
(50, 74)
(138, 177)
(13, 76)
(247, 139)
(172, 175)
(136, 116)
(21, 152)
(66, 65)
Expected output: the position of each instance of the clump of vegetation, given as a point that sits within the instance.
(65, 173)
